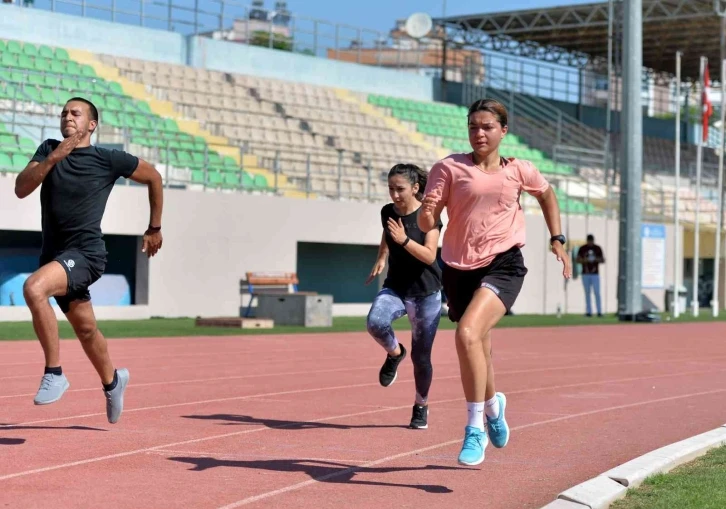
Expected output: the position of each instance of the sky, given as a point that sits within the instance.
(381, 14)
(378, 15)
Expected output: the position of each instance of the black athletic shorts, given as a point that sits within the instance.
(82, 269)
(504, 276)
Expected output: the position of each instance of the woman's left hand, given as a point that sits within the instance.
(396, 230)
(561, 254)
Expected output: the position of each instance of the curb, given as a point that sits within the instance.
(604, 489)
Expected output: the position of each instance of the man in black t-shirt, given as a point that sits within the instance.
(590, 257)
(77, 179)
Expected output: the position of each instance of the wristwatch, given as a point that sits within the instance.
(560, 238)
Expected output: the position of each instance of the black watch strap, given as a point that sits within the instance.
(560, 238)
(153, 229)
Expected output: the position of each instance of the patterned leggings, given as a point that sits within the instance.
(424, 314)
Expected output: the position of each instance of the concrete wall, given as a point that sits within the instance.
(212, 239)
(54, 29)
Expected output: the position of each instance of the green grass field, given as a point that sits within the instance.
(171, 327)
(700, 484)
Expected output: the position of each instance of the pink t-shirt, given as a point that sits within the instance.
(485, 217)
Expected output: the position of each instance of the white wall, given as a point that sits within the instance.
(211, 240)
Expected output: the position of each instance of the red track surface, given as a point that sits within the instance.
(300, 421)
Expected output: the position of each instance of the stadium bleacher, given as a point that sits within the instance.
(260, 134)
(323, 131)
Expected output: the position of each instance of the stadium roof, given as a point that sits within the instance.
(578, 34)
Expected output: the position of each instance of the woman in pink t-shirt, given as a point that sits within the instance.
(483, 266)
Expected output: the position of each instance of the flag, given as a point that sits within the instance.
(707, 106)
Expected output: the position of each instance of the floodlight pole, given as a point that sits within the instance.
(630, 259)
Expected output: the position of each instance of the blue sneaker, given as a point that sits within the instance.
(475, 441)
(498, 428)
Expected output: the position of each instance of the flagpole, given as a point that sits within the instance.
(719, 219)
(677, 238)
(697, 232)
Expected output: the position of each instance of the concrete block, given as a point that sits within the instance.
(596, 493)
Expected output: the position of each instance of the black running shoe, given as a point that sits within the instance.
(389, 371)
(419, 418)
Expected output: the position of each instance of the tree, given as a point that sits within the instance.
(262, 38)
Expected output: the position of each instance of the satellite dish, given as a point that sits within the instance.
(419, 25)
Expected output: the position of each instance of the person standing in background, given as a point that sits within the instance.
(590, 257)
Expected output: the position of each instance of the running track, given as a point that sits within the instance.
(300, 421)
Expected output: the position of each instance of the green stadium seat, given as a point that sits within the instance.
(232, 179)
(215, 178)
(8, 140)
(229, 162)
(30, 49)
(33, 94)
(48, 95)
(6, 162)
(144, 107)
(52, 81)
(61, 54)
(116, 88)
(170, 125)
(14, 47)
(172, 143)
(46, 52)
(197, 176)
(87, 70)
(260, 182)
(57, 67)
(73, 68)
(18, 77)
(111, 119)
(9, 60)
(25, 62)
(8, 92)
(27, 145)
(98, 87)
(113, 104)
(3, 46)
(42, 65)
(36, 79)
(248, 181)
(184, 157)
(19, 162)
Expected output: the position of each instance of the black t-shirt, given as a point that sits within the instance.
(591, 256)
(407, 275)
(74, 193)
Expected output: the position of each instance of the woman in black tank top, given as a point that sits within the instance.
(412, 286)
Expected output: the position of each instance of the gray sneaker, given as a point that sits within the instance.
(115, 398)
(51, 389)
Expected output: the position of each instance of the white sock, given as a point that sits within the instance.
(476, 415)
(491, 407)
